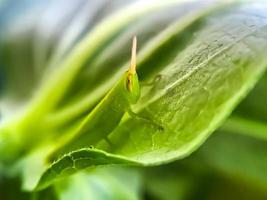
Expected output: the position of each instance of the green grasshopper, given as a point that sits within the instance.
(108, 113)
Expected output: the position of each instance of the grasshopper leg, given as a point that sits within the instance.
(151, 83)
(108, 141)
(144, 119)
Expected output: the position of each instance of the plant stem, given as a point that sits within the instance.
(246, 126)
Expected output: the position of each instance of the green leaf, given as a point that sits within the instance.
(78, 160)
(197, 89)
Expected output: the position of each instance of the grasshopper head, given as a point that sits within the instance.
(132, 87)
(132, 83)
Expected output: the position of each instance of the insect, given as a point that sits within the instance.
(108, 113)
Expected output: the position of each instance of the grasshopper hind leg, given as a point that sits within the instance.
(145, 120)
(156, 79)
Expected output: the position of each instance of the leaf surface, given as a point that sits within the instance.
(78, 160)
(198, 89)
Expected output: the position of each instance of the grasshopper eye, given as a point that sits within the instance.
(129, 83)
(132, 83)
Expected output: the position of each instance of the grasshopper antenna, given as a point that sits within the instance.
(133, 59)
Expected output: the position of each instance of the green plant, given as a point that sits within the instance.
(196, 61)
